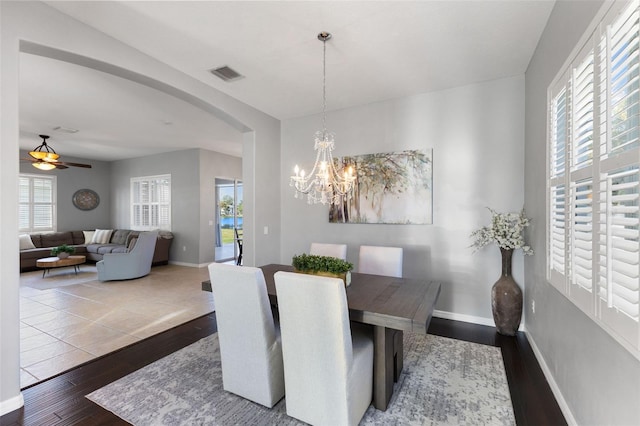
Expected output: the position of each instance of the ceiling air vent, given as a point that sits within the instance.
(65, 129)
(226, 73)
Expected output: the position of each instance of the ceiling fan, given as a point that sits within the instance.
(45, 158)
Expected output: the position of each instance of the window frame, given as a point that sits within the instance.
(154, 207)
(32, 229)
(589, 192)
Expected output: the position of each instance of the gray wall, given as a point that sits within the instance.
(598, 378)
(213, 165)
(477, 136)
(193, 174)
(69, 218)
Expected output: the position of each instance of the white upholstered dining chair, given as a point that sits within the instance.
(250, 348)
(328, 366)
(385, 261)
(333, 250)
(378, 260)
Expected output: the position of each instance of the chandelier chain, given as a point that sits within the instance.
(324, 87)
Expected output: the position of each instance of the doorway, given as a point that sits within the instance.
(229, 232)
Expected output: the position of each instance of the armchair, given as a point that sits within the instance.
(134, 264)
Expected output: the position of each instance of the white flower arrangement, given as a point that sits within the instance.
(506, 230)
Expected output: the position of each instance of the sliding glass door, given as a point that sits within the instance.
(229, 208)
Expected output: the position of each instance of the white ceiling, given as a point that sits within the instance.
(115, 118)
(379, 50)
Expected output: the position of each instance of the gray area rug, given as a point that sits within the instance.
(444, 382)
(59, 277)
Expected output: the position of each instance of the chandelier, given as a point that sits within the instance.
(325, 184)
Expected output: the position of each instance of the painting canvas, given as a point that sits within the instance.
(393, 187)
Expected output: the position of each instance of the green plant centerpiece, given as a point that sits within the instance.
(63, 251)
(323, 265)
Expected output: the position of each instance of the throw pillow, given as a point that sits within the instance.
(132, 243)
(88, 236)
(25, 242)
(101, 236)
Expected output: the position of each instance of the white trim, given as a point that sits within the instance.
(469, 318)
(190, 265)
(562, 403)
(11, 404)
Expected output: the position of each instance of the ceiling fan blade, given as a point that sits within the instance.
(59, 164)
(64, 163)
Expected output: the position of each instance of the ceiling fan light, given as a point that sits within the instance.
(44, 151)
(51, 156)
(43, 165)
(43, 155)
(38, 155)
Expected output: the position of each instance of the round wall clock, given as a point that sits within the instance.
(86, 199)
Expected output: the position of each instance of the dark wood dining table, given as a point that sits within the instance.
(386, 303)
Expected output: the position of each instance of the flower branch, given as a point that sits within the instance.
(506, 230)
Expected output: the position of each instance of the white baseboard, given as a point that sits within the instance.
(462, 317)
(11, 404)
(190, 265)
(564, 407)
(468, 318)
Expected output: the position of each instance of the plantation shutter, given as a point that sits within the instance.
(618, 288)
(581, 203)
(582, 112)
(151, 202)
(618, 231)
(594, 176)
(24, 211)
(36, 203)
(164, 203)
(559, 136)
(622, 54)
(581, 241)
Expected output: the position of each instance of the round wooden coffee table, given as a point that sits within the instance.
(49, 263)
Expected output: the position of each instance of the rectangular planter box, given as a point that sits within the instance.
(345, 277)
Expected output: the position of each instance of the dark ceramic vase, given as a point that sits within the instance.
(506, 299)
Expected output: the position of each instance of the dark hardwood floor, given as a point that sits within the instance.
(61, 401)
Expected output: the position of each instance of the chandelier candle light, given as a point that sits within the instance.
(325, 184)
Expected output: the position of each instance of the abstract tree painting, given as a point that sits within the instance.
(393, 187)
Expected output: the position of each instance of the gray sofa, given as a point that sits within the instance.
(118, 243)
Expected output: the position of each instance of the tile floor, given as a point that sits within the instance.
(68, 325)
(225, 252)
